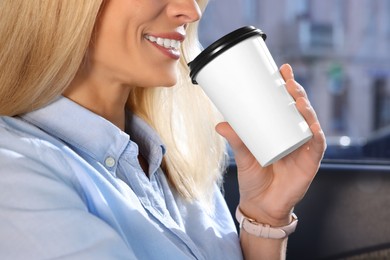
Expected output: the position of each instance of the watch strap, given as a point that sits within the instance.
(264, 230)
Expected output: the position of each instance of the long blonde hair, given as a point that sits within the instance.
(42, 46)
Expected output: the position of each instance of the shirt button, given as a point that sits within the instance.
(109, 162)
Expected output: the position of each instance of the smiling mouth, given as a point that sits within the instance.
(164, 42)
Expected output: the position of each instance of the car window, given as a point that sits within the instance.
(340, 53)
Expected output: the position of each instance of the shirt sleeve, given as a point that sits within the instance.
(42, 216)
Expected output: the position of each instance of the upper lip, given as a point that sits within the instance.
(169, 35)
(177, 34)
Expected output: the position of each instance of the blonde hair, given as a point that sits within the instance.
(42, 46)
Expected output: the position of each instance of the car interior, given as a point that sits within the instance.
(344, 214)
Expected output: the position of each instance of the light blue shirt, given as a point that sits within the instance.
(71, 187)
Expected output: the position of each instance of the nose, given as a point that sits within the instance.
(184, 11)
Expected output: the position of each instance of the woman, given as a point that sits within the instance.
(100, 162)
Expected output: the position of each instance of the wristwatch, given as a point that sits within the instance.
(264, 230)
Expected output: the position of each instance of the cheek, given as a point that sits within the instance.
(134, 61)
(151, 68)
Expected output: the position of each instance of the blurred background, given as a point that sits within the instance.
(340, 53)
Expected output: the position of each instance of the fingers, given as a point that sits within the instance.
(295, 89)
(319, 141)
(304, 107)
(299, 95)
(286, 72)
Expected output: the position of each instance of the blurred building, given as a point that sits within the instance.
(339, 49)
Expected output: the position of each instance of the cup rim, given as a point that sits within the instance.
(220, 46)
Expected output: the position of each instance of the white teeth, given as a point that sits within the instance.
(166, 43)
(160, 41)
(152, 38)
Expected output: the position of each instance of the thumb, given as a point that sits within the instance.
(225, 130)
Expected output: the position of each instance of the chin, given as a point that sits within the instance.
(158, 78)
(158, 84)
(167, 81)
(169, 85)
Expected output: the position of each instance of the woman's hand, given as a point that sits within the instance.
(269, 194)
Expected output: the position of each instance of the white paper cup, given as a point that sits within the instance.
(239, 75)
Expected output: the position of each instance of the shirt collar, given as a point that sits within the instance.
(91, 133)
(150, 144)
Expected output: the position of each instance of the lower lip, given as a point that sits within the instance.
(173, 54)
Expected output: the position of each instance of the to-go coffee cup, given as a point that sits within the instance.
(239, 75)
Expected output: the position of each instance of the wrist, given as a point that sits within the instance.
(265, 230)
(277, 218)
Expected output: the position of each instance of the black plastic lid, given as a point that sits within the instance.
(220, 46)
